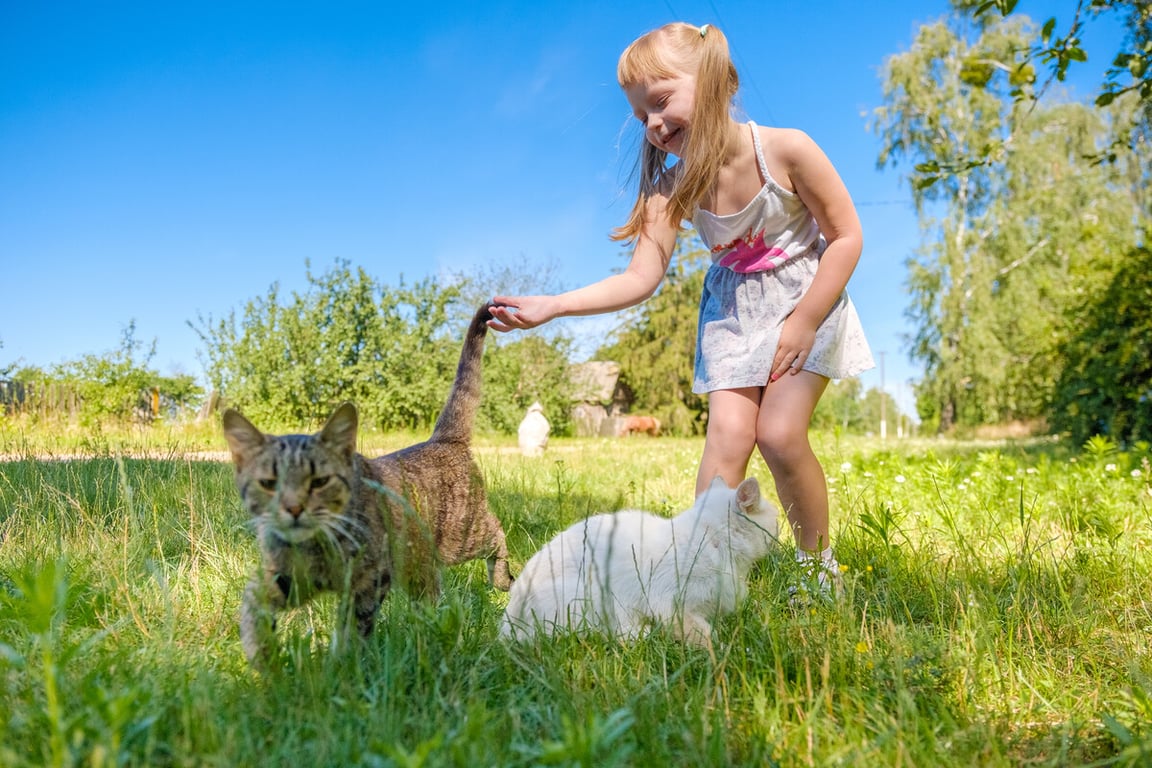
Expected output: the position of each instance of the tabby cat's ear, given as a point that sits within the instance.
(243, 438)
(340, 431)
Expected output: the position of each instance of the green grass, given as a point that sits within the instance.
(997, 612)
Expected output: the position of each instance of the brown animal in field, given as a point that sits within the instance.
(631, 425)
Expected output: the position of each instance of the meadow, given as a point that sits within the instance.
(996, 612)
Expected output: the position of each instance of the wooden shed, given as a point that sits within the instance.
(599, 398)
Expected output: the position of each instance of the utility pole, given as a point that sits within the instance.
(883, 419)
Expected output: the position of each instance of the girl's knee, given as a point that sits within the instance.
(731, 430)
(781, 443)
(729, 445)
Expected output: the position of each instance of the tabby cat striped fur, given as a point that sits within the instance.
(329, 519)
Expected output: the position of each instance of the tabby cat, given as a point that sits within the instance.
(329, 519)
(620, 572)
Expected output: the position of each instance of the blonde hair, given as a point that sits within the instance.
(670, 51)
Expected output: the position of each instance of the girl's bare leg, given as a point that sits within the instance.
(731, 436)
(785, 413)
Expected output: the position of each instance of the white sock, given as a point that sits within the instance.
(825, 557)
(826, 567)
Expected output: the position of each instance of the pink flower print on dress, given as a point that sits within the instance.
(750, 254)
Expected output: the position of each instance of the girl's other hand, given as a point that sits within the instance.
(796, 341)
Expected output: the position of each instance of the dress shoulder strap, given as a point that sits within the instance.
(764, 175)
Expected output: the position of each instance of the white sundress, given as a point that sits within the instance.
(763, 260)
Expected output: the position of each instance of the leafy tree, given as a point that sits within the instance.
(847, 409)
(110, 388)
(1057, 48)
(656, 344)
(6, 370)
(1018, 240)
(343, 338)
(1106, 388)
(840, 407)
(521, 372)
(526, 366)
(876, 403)
(391, 350)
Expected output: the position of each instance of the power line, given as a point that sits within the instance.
(859, 203)
(746, 72)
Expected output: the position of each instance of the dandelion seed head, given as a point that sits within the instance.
(899, 478)
(846, 466)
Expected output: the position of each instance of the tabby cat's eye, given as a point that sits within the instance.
(268, 483)
(319, 482)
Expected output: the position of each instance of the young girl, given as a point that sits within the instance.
(775, 320)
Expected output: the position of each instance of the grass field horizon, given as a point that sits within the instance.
(996, 612)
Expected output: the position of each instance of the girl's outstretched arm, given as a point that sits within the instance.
(636, 283)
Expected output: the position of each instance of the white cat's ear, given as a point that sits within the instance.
(242, 436)
(340, 430)
(717, 484)
(748, 496)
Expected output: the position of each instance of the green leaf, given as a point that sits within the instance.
(983, 8)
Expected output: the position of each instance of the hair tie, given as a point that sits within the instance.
(704, 30)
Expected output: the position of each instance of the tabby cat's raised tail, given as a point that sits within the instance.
(455, 422)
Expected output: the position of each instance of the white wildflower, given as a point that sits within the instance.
(899, 478)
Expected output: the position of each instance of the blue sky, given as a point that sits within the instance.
(160, 162)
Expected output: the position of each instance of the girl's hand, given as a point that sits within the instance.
(796, 340)
(520, 312)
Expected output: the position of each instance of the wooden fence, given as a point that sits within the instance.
(62, 401)
(35, 399)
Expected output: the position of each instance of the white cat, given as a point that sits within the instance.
(619, 572)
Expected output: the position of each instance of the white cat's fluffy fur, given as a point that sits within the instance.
(619, 572)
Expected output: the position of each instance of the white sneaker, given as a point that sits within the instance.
(819, 577)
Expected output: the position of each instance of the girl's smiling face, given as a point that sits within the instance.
(665, 107)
